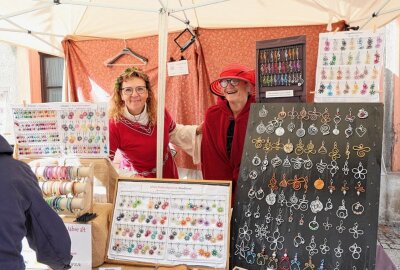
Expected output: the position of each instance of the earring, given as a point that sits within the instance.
(284, 263)
(319, 184)
(360, 189)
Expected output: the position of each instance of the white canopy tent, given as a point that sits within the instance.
(42, 24)
(49, 21)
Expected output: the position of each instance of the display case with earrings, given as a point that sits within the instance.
(359, 66)
(171, 222)
(61, 129)
(281, 70)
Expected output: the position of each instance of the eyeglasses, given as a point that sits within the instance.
(129, 90)
(224, 83)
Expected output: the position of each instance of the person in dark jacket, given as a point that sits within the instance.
(24, 213)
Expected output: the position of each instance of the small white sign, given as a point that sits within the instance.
(110, 268)
(279, 93)
(178, 68)
(81, 248)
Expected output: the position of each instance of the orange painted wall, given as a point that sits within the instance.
(34, 71)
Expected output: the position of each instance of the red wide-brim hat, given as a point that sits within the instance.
(233, 71)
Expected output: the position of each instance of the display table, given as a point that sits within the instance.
(382, 262)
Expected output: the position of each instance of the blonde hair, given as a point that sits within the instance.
(117, 105)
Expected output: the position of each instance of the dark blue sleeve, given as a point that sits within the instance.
(46, 232)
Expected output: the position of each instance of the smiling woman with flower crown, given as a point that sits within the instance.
(133, 130)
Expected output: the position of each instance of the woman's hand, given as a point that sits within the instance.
(199, 129)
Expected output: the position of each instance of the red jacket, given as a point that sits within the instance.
(216, 165)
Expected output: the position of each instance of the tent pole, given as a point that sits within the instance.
(17, 13)
(173, 10)
(33, 35)
(31, 32)
(89, 4)
(375, 14)
(162, 65)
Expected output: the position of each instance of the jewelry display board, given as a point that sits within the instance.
(171, 222)
(349, 66)
(68, 190)
(308, 191)
(54, 129)
(281, 70)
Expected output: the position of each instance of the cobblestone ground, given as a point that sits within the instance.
(389, 238)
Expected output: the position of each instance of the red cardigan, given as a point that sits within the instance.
(216, 165)
(138, 145)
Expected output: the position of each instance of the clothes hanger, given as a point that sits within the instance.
(126, 51)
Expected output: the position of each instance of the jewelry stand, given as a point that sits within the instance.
(67, 189)
(281, 70)
(168, 222)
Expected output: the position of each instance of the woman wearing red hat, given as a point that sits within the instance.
(225, 124)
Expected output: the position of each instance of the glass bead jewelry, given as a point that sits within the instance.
(273, 261)
(295, 263)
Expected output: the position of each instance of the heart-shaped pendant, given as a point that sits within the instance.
(361, 130)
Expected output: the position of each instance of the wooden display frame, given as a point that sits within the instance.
(227, 214)
(280, 44)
